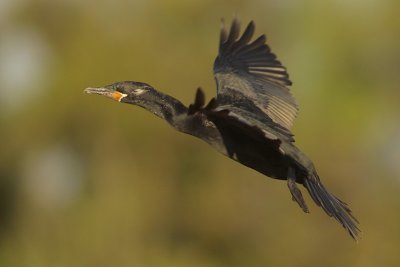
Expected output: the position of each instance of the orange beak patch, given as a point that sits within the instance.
(117, 96)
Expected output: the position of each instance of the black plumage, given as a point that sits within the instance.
(249, 120)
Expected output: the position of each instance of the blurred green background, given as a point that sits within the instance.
(85, 181)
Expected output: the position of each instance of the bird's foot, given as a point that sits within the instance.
(295, 191)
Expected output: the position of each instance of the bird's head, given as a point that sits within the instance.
(127, 91)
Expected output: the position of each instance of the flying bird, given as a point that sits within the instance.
(248, 121)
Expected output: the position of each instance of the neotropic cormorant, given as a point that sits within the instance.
(248, 120)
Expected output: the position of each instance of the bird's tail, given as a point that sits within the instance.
(333, 206)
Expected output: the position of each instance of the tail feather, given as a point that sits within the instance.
(333, 206)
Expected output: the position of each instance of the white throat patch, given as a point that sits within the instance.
(122, 96)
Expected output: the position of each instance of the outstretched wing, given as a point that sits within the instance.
(237, 110)
(252, 69)
(244, 111)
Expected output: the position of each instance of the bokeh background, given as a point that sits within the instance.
(85, 181)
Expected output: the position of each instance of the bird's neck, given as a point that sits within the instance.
(164, 106)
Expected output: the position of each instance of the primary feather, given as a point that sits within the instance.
(252, 69)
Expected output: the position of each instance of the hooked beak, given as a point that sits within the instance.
(106, 92)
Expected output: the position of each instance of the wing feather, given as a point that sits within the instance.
(240, 108)
(252, 69)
